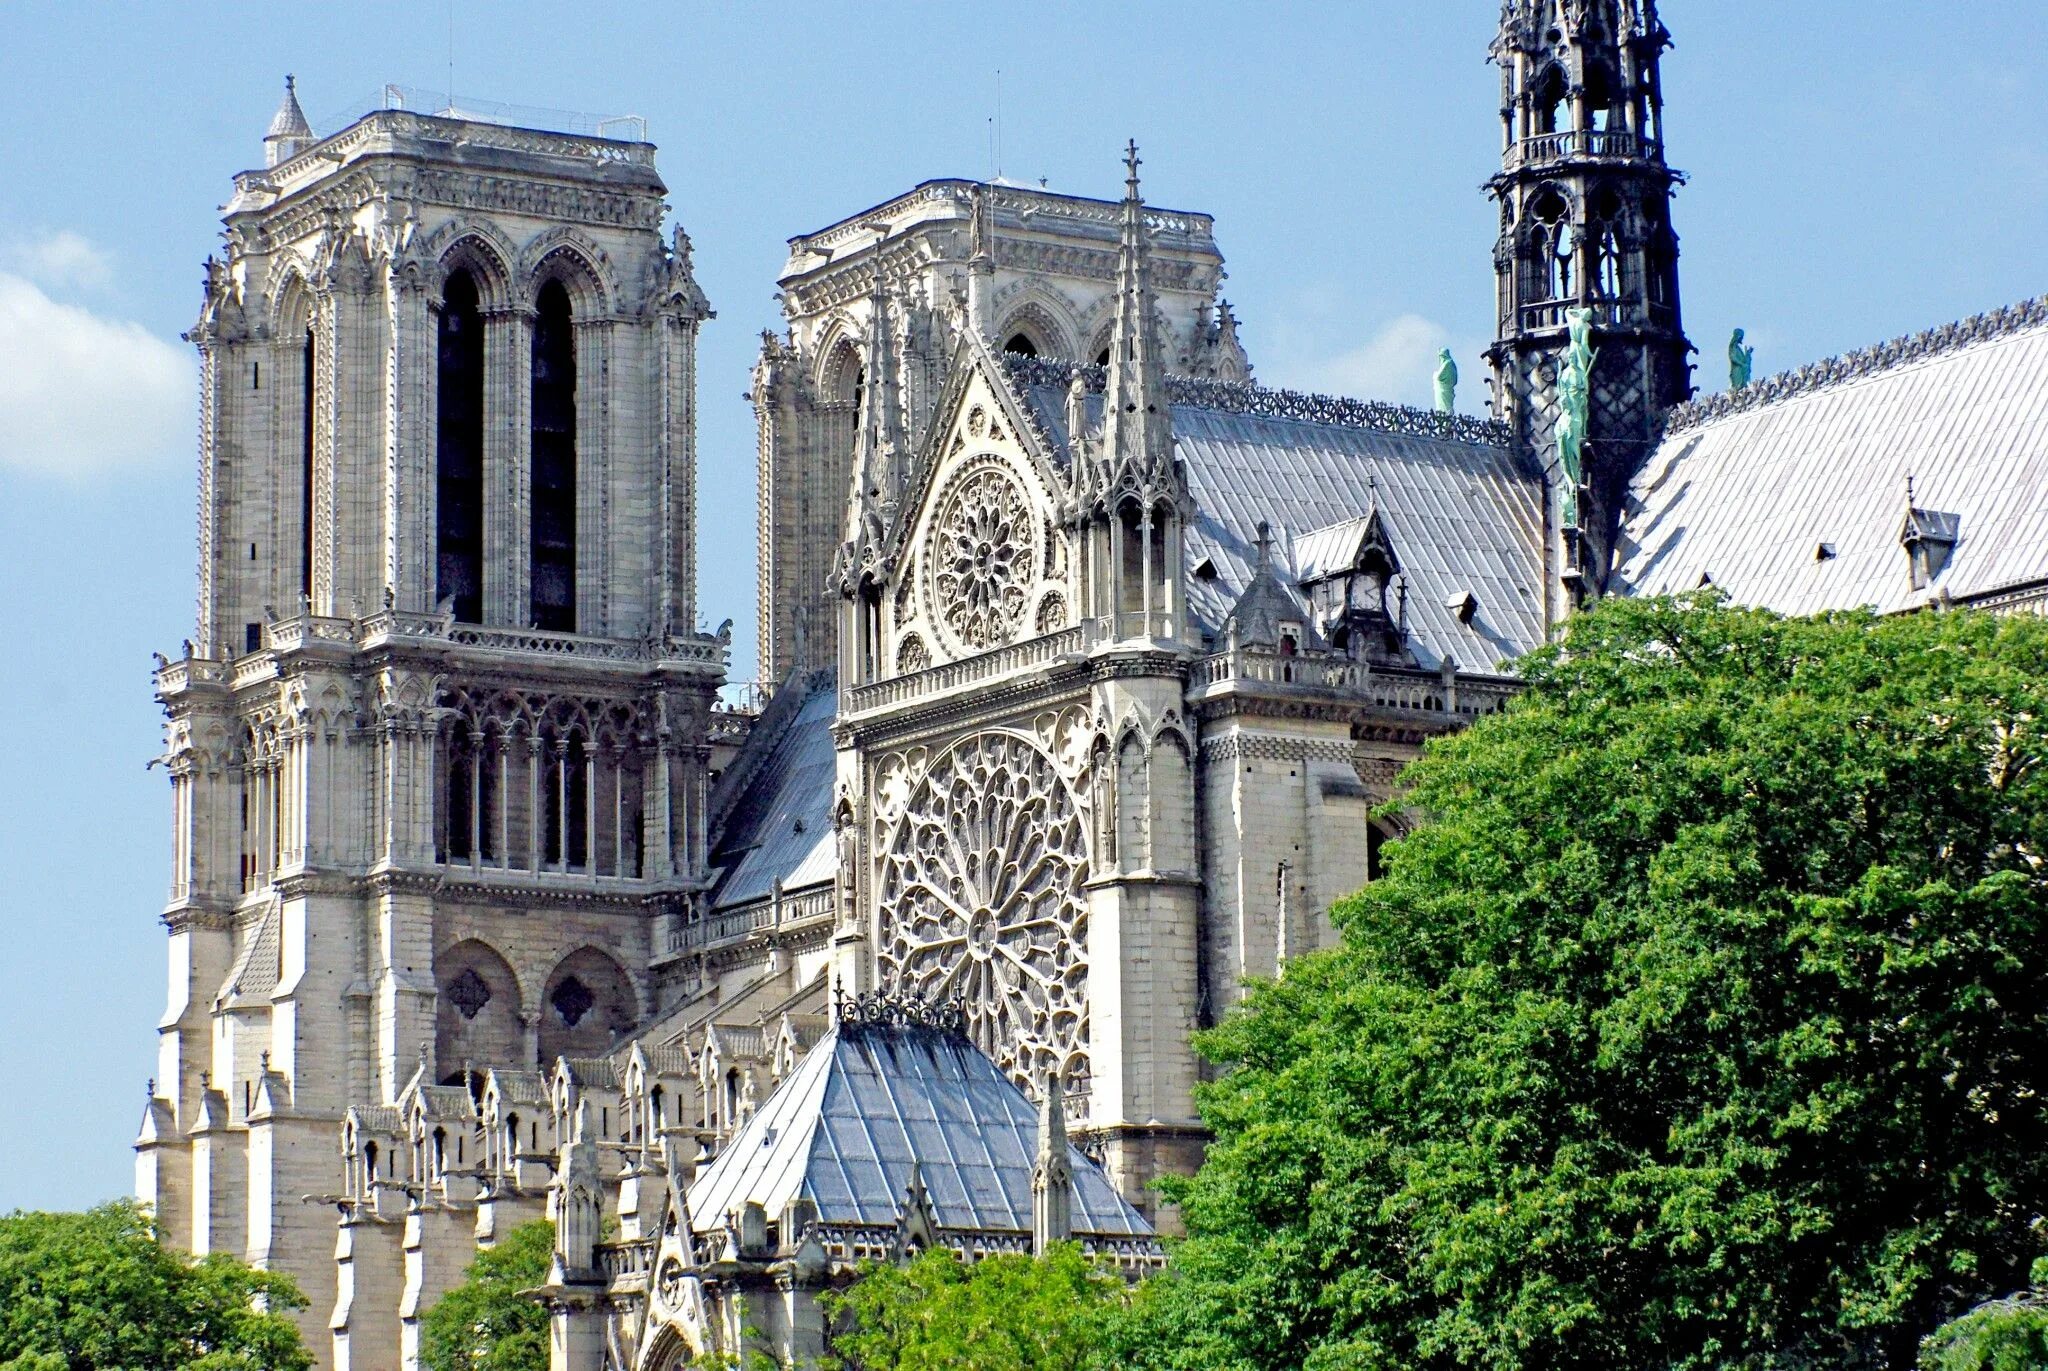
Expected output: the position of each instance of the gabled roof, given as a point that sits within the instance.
(870, 1101)
(255, 974)
(778, 825)
(1465, 514)
(1791, 492)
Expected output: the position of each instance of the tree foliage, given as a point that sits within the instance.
(1003, 1313)
(486, 1323)
(1701, 1021)
(1999, 1335)
(81, 1292)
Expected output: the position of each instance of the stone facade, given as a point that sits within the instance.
(414, 835)
(1032, 270)
(1094, 666)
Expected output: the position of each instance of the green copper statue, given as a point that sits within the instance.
(1740, 359)
(1446, 382)
(1574, 396)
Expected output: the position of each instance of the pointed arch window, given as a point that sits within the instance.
(306, 467)
(553, 536)
(459, 452)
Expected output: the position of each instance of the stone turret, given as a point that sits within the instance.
(289, 133)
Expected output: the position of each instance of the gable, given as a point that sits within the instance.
(981, 559)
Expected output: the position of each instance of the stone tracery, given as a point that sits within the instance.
(983, 558)
(981, 900)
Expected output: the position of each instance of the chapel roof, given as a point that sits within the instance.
(1792, 492)
(873, 1100)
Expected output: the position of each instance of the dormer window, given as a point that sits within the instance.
(1290, 639)
(1929, 538)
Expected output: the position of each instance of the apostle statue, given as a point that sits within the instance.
(1740, 359)
(1446, 382)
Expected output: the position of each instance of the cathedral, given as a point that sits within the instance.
(1094, 663)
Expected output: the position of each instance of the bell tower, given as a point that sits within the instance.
(1586, 254)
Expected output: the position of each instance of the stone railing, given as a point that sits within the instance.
(1398, 688)
(953, 676)
(1236, 397)
(1570, 143)
(1022, 200)
(1551, 313)
(625, 1258)
(781, 911)
(1834, 371)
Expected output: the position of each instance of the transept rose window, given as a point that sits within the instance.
(981, 900)
(982, 560)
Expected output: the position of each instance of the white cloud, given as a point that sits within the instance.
(1398, 363)
(82, 394)
(62, 259)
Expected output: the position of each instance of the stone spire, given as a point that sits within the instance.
(289, 134)
(879, 448)
(1052, 1174)
(1137, 432)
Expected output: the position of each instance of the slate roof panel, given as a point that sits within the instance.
(1745, 489)
(779, 828)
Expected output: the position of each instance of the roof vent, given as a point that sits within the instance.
(1464, 604)
(1205, 570)
(1824, 552)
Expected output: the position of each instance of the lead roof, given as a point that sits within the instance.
(845, 1127)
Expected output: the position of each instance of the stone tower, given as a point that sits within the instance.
(437, 746)
(1585, 223)
(1028, 270)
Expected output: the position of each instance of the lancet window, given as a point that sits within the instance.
(459, 452)
(553, 570)
(544, 786)
(307, 363)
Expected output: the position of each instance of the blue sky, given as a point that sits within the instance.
(1858, 170)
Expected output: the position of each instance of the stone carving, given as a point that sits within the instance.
(1833, 371)
(981, 558)
(981, 901)
(469, 993)
(1242, 397)
(1446, 382)
(1740, 361)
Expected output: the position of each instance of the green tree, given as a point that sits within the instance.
(1999, 1335)
(80, 1292)
(1701, 1021)
(1003, 1313)
(486, 1323)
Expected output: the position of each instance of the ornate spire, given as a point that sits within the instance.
(1052, 1174)
(1137, 433)
(289, 132)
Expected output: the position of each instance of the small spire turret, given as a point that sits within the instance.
(289, 133)
(1137, 437)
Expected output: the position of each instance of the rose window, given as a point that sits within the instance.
(981, 901)
(981, 559)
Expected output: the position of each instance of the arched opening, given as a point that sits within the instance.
(1102, 358)
(1547, 102)
(587, 1005)
(1022, 345)
(1553, 248)
(553, 591)
(459, 452)
(306, 467)
(476, 1013)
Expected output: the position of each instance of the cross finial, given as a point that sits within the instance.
(1265, 544)
(1131, 165)
(263, 1059)
(291, 86)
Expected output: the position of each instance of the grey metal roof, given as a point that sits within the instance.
(778, 827)
(1463, 515)
(1747, 488)
(845, 1127)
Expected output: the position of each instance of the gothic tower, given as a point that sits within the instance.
(1025, 269)
(1585, 224)
(437, 746)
